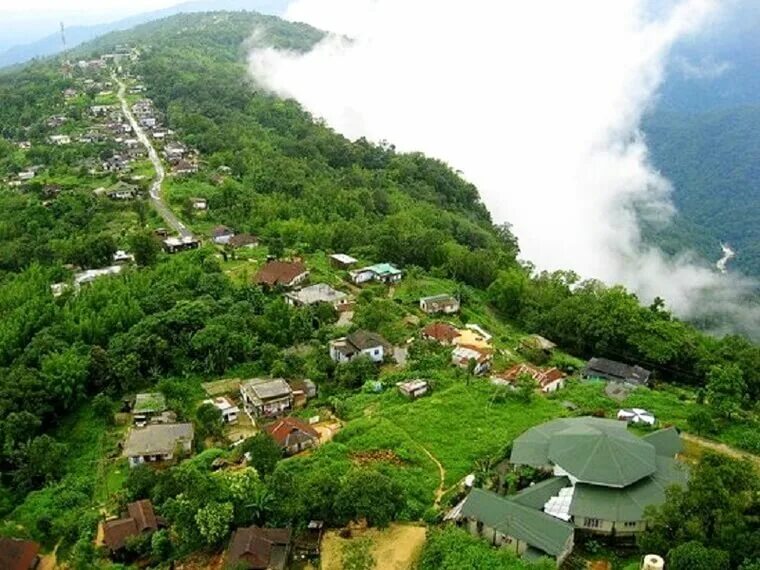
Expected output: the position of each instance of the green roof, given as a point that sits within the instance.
(610, 504)
(384, 269)
(591, 450)
(537, 529)
(666, 441)
(536, 496)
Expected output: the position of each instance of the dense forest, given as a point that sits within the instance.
(172, 321)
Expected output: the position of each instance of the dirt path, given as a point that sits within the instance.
(720, 448)
(441, 490)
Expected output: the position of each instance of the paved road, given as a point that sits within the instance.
(155, 188)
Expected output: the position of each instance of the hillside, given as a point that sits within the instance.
(191, 323)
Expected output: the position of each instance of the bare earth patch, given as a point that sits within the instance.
(397, 547)
(363, 458)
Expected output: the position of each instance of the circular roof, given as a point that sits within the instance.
(601, 453)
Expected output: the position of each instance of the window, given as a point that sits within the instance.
(630, 524)
(376, 351)
(592, 523)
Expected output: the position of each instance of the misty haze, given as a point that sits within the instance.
(379, 284)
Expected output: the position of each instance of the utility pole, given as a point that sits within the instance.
(63, 35)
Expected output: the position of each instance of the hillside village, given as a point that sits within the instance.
(381, 393)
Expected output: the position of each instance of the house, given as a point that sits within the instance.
(342, 261)
(462, 355)
(266, 398)
(25, 145)
(140, 519)
(115, 164)
(239, 241)
(90, 275)
(175, 152)
(382, 272)
(148, 122)
(442, 333)
(70, 93)
(16, 554)
(121, 256)
(26, 175)
(256, 548)
(177, 244)
(183, 168)
(50, 191)
(228, 410)
(413, 389)
(60, 140)
(637, 416)
(604, 476)
(548, 380)
(123, 191)
(314, 294)
(221, 235)
(147, 406)
(293, 435)
(199, 204)
(446, 304)
(285, 274)
(303, 391)
(307, 541)
(520, 529)
(159, 442)
(604, 369)
(359, 343)
(538, 343)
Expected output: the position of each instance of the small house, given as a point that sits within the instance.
(256, 548)
(60, 140)
(183, 168)
(285, 274)
(604, 369)
(123, 191)
(199, 204)
(293, 435)
(222, 235)
(537, 343)
(26, 175)
(240, 241)
(157, 443)
(381, 272)
(266, 398)
(548, 380)
(463, 355)
(178, 244)
(442, 333)
(16, 554)
(147, 406)
(342, 261)
(315, 294)
(140, 519)
(446, 304)
(359, 343)
(303, 391)
(228, 410)
(413, 389)
(121, 256)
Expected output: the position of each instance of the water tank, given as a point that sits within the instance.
(652, 562)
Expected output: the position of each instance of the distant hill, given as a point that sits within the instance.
(77, 35)
(704, 136)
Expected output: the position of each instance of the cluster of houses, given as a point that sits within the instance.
(471, 346)
(598, 480)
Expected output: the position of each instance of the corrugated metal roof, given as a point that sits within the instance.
(536, 528)
(666, 441)
(537, 495)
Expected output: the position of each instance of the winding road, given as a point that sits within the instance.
(155, 188)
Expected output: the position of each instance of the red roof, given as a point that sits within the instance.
(543, 377)
(284, 430)
(259, 548)
(280, 272)
(141, 519)
(442, 332)
(17, 554)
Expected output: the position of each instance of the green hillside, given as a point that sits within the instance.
(194, 324)
(712, 160)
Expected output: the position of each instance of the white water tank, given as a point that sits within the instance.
(652, 562)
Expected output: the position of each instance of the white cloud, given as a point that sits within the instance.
(703, 69)
(537, 102)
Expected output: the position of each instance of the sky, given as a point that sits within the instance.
(539, 103)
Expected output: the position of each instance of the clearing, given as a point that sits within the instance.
(395, 548)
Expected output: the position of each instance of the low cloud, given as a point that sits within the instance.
(703, 69)
(538, 103)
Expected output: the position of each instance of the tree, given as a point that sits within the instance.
(356, 372)
(144, 247)
(695, 556)
(701, 422)
(525, 388)
(209, 419)
(369, 494)
(214, 521)
(104, 407)
(160, 545)
(726, 390)
(264, 452)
